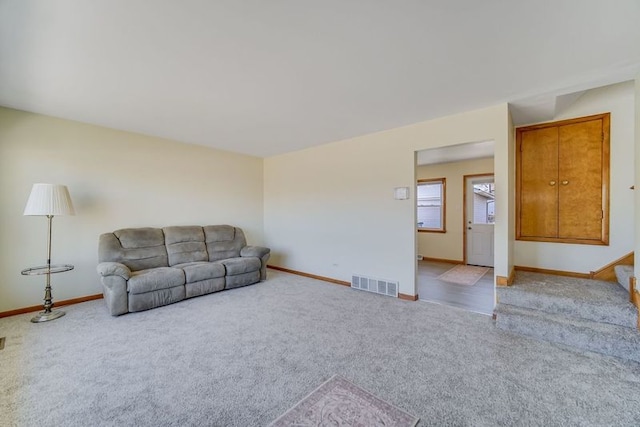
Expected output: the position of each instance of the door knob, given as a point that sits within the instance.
(468, 228)
(565, 182)
(552, 183)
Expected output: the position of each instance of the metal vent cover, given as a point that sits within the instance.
(378, 286)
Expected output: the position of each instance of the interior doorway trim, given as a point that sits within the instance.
(465, 178)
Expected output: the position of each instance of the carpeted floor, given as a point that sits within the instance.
(581, 313)
(582, 298)
(244, 357)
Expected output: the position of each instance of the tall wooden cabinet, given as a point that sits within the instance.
(562, 181)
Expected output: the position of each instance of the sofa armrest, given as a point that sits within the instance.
(114, 269)
(256, 251)
(260, 252)
(114, 277)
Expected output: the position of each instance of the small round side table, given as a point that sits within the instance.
(48, 270)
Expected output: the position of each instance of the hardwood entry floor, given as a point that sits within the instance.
(479, 298)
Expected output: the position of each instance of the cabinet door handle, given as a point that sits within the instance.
(565, 182)
(552, 183)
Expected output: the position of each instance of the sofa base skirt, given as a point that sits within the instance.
(148, 300)
(203, 287)
(243, 279)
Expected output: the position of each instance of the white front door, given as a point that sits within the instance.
(480, 207)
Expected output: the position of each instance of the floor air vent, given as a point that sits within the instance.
(378, 286)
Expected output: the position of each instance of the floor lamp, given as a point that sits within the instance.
(48, 200)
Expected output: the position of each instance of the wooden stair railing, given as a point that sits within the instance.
(608, 273)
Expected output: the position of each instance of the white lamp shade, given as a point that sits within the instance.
(49, 199)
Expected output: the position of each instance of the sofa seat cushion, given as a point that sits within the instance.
(154, 279)
(148, 300)
(241, 265)
(198, 271)
(243, 279)
(204, 287)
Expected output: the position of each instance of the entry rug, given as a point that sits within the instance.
(463, 274)
(339, 402)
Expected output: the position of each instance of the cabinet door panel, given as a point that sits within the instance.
(538, 183)
(580, 180)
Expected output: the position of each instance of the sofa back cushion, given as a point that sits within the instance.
(223, 241)
(185, 244)
(137, 248)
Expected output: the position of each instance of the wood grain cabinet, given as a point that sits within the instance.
(562, 181)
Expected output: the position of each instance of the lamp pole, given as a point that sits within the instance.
(48, 304)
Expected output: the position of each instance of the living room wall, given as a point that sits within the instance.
(637, 174)
(330, 210)
(619, 100)
(449, 245)
(116, 179)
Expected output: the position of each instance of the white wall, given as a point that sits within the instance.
(636, 192)
(329, 210)
(619, 100)
(449, 245)
(509, 191)
(116, 180)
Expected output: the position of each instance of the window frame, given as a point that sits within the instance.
(443, 207)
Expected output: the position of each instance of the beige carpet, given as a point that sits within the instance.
(464, 275)
(339, 402)
(244, 356)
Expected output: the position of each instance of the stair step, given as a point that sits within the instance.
(605, 338)
(593, 300)
(623, 274)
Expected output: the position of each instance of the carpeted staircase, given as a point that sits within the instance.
(623, 274)
(587, 314)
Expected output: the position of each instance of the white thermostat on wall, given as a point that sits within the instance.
(401, 193)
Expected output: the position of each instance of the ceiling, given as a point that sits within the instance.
(268, 77)
(455, 153)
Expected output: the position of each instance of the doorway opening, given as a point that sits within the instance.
(455, 216)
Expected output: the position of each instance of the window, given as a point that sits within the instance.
(431, 205)
(484, 203)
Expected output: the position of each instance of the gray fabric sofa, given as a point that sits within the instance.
(143, 268)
